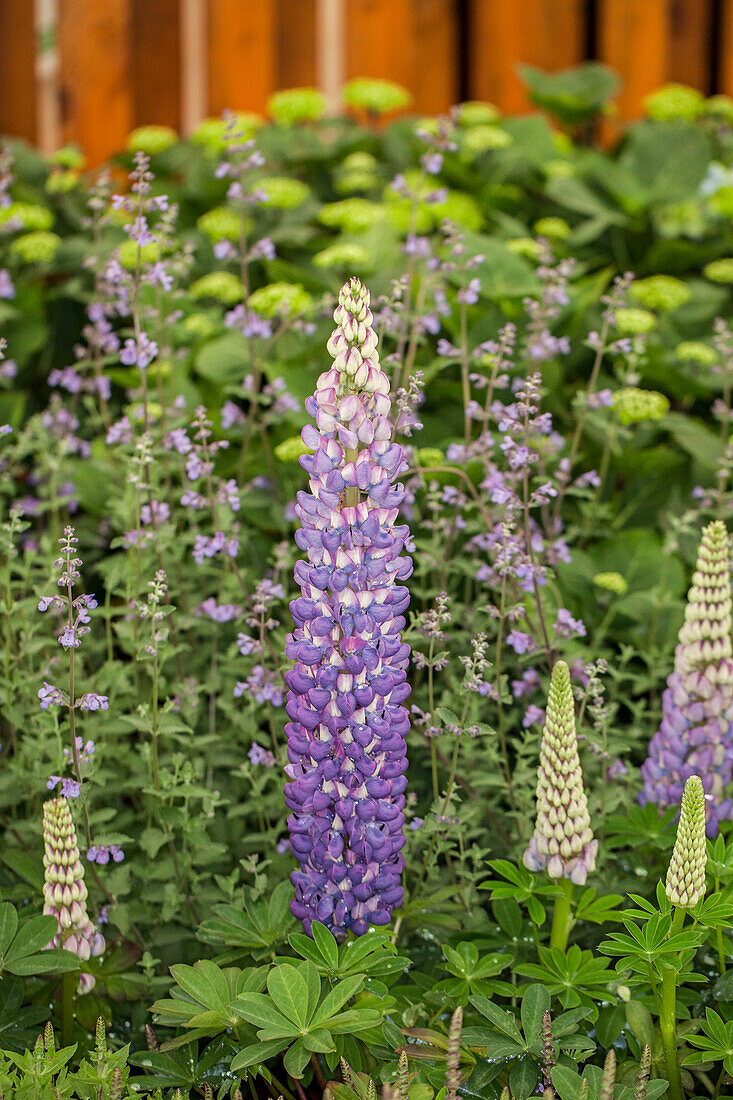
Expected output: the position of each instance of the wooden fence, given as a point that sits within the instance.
(89, 71)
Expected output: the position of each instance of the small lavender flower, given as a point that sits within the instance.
(563, 841)
(346, 735)
(64, 891)
(696, 733)
(685, 884)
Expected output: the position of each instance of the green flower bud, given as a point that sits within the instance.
(291, 449)
(151, 139)
(720, 107)
(722, 202)
(26, 215)
(212, 133)
(475, 113)
(524, 246)
(295, 105)
(198, 325)
(36, 248)
(674, 101)
(553, 228)
(459, 208)
(377, 96)
(632, 405)
(283, 193)
(719, 271)
(351, 215)
(221, 223)
(68, 156)
(430, 456)
(342, 255)
(357, 172)
(222, 285)
(280, 300)
(62, 183)
(692, 351)
(559, 169)
(612, 582)
(127, 254)
(633, 322)
(483, 139)
(685, 884)
(662, 292)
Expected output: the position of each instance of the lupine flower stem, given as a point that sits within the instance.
(668, 1019)
(562, 921)
(68, 1004)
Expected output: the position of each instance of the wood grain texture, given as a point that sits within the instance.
(295, 43)
(242, 54)
(690, 34)
(634, 38)
(18, 66)
(156, 63)
(95, 85)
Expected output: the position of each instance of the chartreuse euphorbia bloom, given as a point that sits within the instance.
(346, 734)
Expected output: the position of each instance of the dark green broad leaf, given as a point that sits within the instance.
(535, 1001)
(574, 95)
(169, 1069)
(19, 1026)
(22, 950)
(661, 162)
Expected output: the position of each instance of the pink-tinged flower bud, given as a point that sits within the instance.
(346, 735)
(686, 875)
(64, 891)
(562, 843)
(696, 733)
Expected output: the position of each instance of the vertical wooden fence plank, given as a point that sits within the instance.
(194, 64)
(295, 43)
(95, 75)
(156, 63)
(435, 76)
(242, 54)
(634, 39)
(691, 32)
(725, 49)
(18, 68)
(329, 50)
(504, 33)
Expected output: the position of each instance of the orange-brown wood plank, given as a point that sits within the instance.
(725, 48)
(504, 33)
(634, 38)
(409, 41)
(296, 43)
(242, 60)
(18, 68)
(690, 34)
(95, 84)
(156, 63)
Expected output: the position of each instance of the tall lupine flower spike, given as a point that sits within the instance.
(696, 734)
(346, 734)
(64, 892)
(563, 841)
(686, 875)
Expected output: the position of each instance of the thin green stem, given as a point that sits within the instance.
(668, 1019)
(68, 1002)
(562, 916)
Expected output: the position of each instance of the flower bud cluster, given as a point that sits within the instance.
(64, 892)
(685, 884)
(346, 734)
(563, 842)
(696, 733)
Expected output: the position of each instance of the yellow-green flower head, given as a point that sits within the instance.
(685, 884)
(722, 202)
(562, 843)
(378, 96)
(343, 255)
(476, 113)
(680, 219)
(26, 215)
(632, 405)
(68, 156)
(430, 456)
(357, 172)
(674, 101)
(612, 582)
(352, 215)
(459, 208)
(662, 292)
(198, 325)
(213, 133)
(720, 107)
(221, 223)
(556, 229)
(60, 182)
(484, 139)
(719, 271)
(693, 351)
(295, 105)
(280, 300)
(291, 449)
(127, 253)
(559, 169)
(224, 286)
(36, 248)
(151, 139)
(282, 192)
(633, 322)
(524, 246)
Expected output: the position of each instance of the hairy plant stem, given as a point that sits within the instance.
(68, 1003)
(668, 1019)
(562, 916)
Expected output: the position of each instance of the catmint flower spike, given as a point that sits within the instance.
(696, 733)
(64, 891)
(562, 843)
(347, 728)
(686, 875)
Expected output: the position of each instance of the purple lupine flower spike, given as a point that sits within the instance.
(346, 735)
(696, 734)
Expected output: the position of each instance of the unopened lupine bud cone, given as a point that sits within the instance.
(642, 1075)
(696, 733)
(686, 875)
(347, 728)
(608, 1078)
(562, 843)
(64, 892)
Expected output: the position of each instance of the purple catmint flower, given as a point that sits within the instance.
(7, 288)
(49, 695)
(346, 734)
(258, 755)
(64, 892)
(696, 734)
